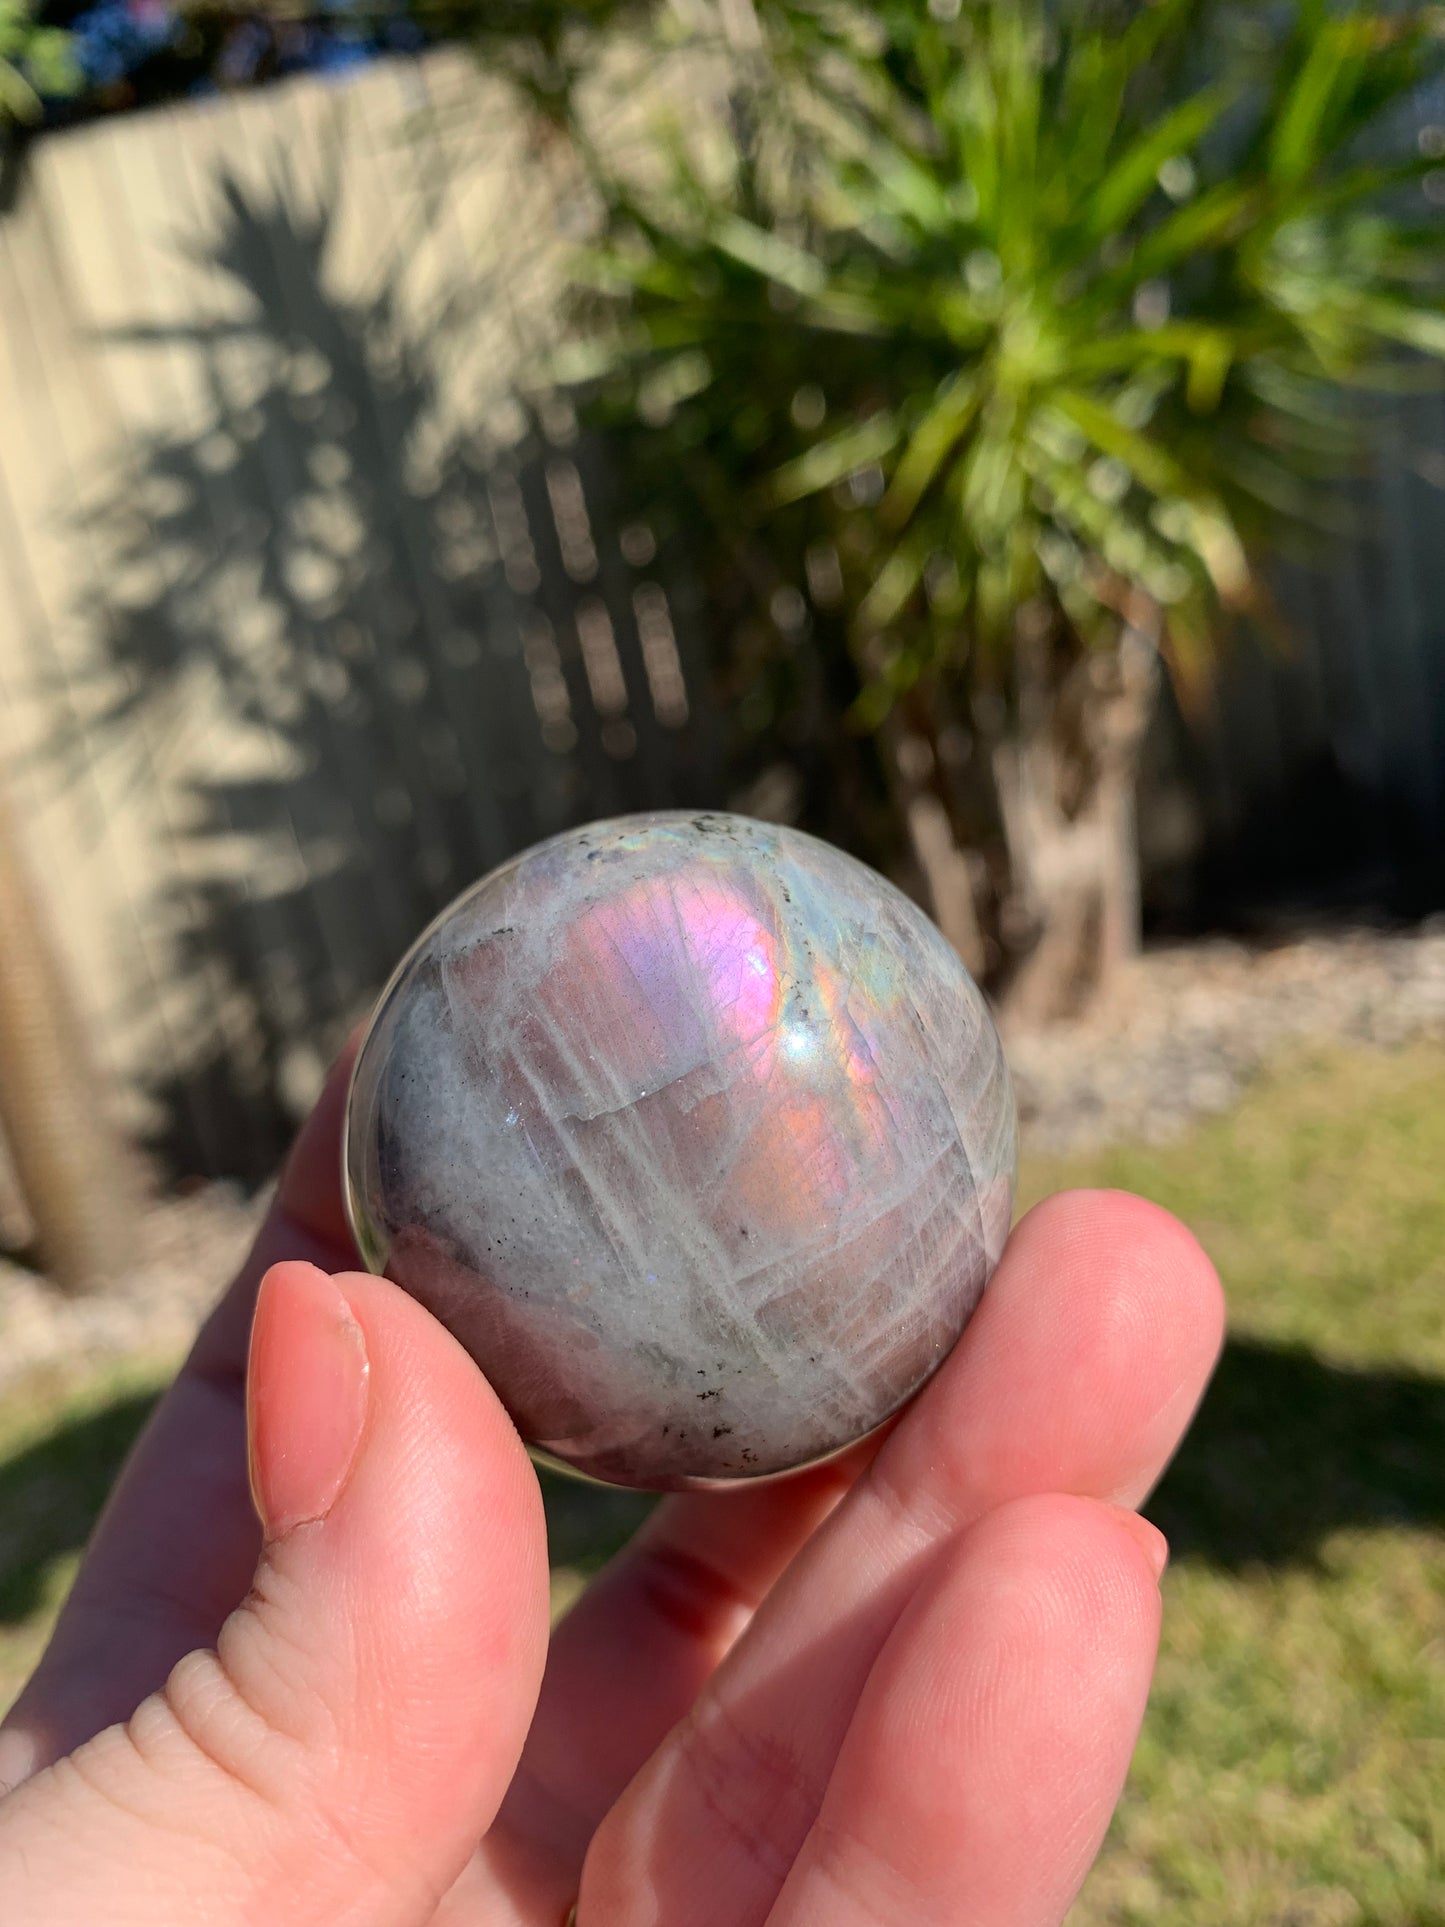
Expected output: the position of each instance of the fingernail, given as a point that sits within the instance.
(1149, 1539)
(306, 1396)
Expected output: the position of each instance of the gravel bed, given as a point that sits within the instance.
(1181, 1036)
(1188, 1027)
(186, 1250)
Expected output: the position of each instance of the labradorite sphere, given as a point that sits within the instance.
(699, 1137)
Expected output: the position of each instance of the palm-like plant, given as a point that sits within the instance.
(35, 60)
(998, 350)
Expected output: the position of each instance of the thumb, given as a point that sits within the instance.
(340, 1753)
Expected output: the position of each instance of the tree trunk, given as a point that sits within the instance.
(71, 1169)
(947, 875)
(949, 878)
(1066, 787)
(1120, 919)
(1038, 860)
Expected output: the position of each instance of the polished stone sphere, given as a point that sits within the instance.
(699, 1137)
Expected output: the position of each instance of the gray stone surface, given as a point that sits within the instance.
(698, 1136)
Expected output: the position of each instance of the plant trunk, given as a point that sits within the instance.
(70, 1168)
(945, 871)
(949, 878)
(1066, 786)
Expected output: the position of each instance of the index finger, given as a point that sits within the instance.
(176, 1545)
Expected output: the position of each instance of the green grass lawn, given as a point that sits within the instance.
(1292, 1770)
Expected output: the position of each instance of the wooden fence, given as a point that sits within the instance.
(305, 621)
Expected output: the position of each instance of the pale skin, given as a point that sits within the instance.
(901, 1689)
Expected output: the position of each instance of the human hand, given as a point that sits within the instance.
(902, 1689)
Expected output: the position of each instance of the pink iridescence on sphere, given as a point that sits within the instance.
(699, 1137)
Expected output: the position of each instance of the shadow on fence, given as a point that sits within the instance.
(399, 650)
(359, 637)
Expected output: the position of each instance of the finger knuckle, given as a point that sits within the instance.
(752, 1783)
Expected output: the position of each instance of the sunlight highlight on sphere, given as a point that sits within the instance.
(699, 1137)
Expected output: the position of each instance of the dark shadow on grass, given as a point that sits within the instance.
(1287, 1449)
(586, 1524)
(51, 1494)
